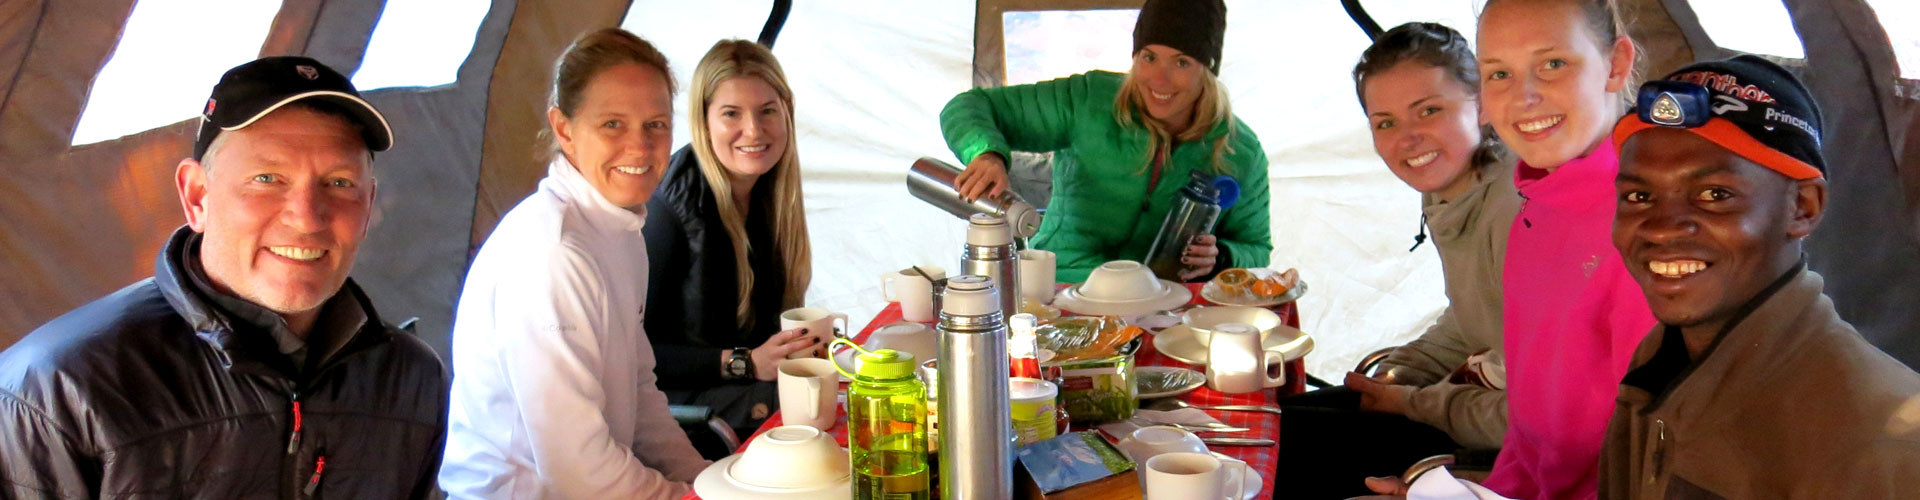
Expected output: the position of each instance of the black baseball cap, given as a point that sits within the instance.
(252, 90)
(1746, 104)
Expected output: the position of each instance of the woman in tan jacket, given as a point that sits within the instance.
(1418, 84)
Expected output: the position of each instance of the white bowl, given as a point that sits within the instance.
(1121, 281)
(1146, 442)
(908, 337)
(791, 457)
(1202, 320)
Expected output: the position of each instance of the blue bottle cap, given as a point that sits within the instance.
(1228, 189)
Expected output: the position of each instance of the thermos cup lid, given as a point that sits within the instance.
(970, 295)
(988, 230)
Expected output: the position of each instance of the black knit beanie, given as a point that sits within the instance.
(1194, 27)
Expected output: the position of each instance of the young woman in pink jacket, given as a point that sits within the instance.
(1551, 75)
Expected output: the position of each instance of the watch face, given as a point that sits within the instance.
(737, 365)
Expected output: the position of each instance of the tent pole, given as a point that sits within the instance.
(1360, 17)
(775, 20)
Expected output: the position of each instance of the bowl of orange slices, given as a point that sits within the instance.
(1255, 287)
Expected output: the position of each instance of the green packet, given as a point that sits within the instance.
(1072, 459)
(1098, 390)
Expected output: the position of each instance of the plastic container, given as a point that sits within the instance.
(1199, 206)
(1033, 410)
(887, 427)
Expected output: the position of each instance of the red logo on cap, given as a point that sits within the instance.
(209, 111)
(307, 71)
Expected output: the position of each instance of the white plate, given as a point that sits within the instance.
(716, 483)
(1178, 342)
(1172, 295)
(1194, 380)
(1214, 294)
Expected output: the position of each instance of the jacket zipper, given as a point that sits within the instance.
(319, 466)
(293, 439)
(1658, 463)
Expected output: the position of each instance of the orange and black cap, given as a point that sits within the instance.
(1747, 104)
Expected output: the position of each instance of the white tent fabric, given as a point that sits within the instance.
(870, 78)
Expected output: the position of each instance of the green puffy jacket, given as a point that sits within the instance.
(1101, 210)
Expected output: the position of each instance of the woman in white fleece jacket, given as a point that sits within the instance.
(553, 393)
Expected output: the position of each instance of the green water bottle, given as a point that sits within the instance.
(887, 426)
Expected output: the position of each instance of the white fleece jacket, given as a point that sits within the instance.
(553, 389)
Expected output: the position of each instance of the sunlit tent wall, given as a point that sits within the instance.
(870, 77)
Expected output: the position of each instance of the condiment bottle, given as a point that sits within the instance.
(1023, 347)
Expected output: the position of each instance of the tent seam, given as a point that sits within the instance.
(33, 39)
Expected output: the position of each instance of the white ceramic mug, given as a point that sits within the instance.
(1189, 476)
(1036, 275)
(809, 391)
(819, 325)
(1236, 364)
(913, 292)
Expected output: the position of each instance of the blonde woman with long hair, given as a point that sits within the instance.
(727, 235)
(1124, 146)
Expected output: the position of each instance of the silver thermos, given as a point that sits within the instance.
(932, 181)
(976, 419)
(990, 253)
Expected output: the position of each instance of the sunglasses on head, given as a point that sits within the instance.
(1674, 104)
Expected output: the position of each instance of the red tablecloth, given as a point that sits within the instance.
(1264, 425)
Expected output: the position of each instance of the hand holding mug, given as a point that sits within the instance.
(766, 358)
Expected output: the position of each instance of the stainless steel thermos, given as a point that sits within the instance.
(989, 252)
(932, 181)
(976, 421)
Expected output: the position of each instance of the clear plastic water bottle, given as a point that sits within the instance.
(1199, 206)
(887, 427)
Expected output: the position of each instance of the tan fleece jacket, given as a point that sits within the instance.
(1471, 235)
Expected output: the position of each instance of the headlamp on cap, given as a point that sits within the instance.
(1675, 104)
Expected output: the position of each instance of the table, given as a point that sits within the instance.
(1265, 425)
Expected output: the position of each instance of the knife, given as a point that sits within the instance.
(1231, 441)
(1210, 428)
(1268, 409)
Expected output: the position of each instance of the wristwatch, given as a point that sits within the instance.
(739, 364)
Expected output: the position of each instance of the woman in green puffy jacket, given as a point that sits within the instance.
(1124, 146)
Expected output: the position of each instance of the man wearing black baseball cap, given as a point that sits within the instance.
(1751, 386)
(249, 365)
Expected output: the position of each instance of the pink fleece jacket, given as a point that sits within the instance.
(1573, 317)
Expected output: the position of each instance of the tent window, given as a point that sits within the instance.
(1901, 19)
(1047, 44)
(166, 61)
(1461, 15)
(420, 43)
(1757, 27)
